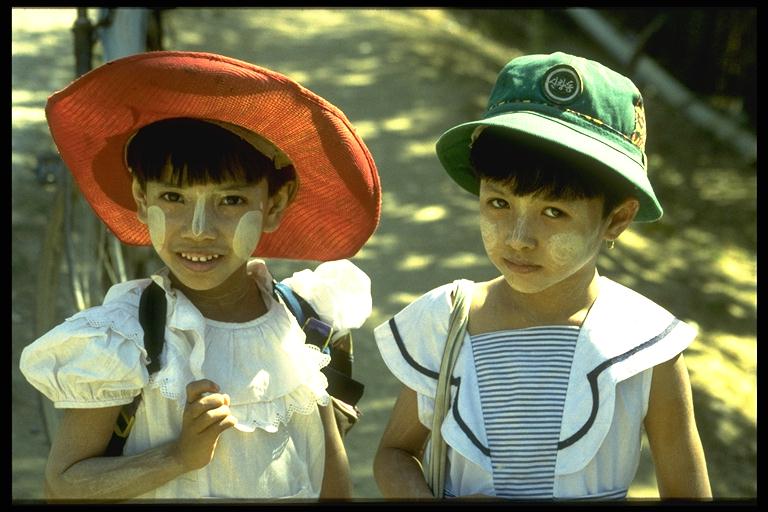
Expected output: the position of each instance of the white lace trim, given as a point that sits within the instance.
(310, 390)
(269, 415)
(119, 326)
(118, 316)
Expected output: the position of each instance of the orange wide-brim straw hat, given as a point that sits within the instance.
(338, 203)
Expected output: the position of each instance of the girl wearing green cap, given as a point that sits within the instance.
(551, 372)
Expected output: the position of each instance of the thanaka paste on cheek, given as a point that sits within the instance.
(566, 247)
(156, 225)
(488, 232)
(247, 234)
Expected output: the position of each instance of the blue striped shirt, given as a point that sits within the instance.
(523, 378)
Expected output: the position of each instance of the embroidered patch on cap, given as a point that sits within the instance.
(562, 84)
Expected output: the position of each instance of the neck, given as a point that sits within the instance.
(238, 299)
(566, 303)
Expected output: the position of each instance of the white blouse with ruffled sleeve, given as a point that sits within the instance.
(96, 358)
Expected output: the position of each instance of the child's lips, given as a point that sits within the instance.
(199, 261)
(521, 267)
(196, 256)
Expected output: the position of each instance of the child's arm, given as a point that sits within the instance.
(77, 470)
(397, 467)
(678, 457)
(336, 484)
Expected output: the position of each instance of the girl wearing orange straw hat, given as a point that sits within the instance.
(211, 160)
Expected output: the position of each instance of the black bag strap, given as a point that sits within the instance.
(153, 307)
(152, 310)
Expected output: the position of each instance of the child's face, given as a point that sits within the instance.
(537, 242)
(206, 232)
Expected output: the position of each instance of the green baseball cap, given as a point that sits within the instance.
(575, 104)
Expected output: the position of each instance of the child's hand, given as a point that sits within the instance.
(206, 416)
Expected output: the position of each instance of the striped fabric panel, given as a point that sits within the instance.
(608, 495)
(604, 496)
(523, 378)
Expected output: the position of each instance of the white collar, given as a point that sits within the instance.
(621, 336)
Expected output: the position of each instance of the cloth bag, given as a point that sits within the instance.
(457, 328)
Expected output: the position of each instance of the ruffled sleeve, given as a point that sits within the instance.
(339, 291)
(412, 344)
(94, 359)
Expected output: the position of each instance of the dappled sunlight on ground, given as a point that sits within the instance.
(717, 364)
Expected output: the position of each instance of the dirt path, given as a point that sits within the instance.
(403, 77)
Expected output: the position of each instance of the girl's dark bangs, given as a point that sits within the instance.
(530, 167)
(195, 171)
(542, 177)
(197, 151)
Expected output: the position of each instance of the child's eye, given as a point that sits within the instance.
(171, 197)
(232, 200)
(553, 212)
(498, 203)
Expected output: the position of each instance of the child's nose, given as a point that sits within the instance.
(521, 234)
(201, 224)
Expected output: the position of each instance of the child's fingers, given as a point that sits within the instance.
(223, 424)
(199, 436)
(209, 401)
(210, 436)
(196, 388)
(206, 403)
(213, 416)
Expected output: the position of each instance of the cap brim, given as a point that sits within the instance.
(453, 150)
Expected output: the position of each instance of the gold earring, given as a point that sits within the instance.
(611, 243)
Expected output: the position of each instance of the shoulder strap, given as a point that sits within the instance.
(341, 385)
(153, 307)
(318, 332)
(457, 327)
(152, 310)
(296, 304)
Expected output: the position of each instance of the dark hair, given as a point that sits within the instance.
(531, 167)
(200, 152)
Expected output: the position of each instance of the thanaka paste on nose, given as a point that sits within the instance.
(156, 224)
(517, 233)
(198, 218)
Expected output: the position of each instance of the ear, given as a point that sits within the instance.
(278, 204)
(140, 196)
(621, 217)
